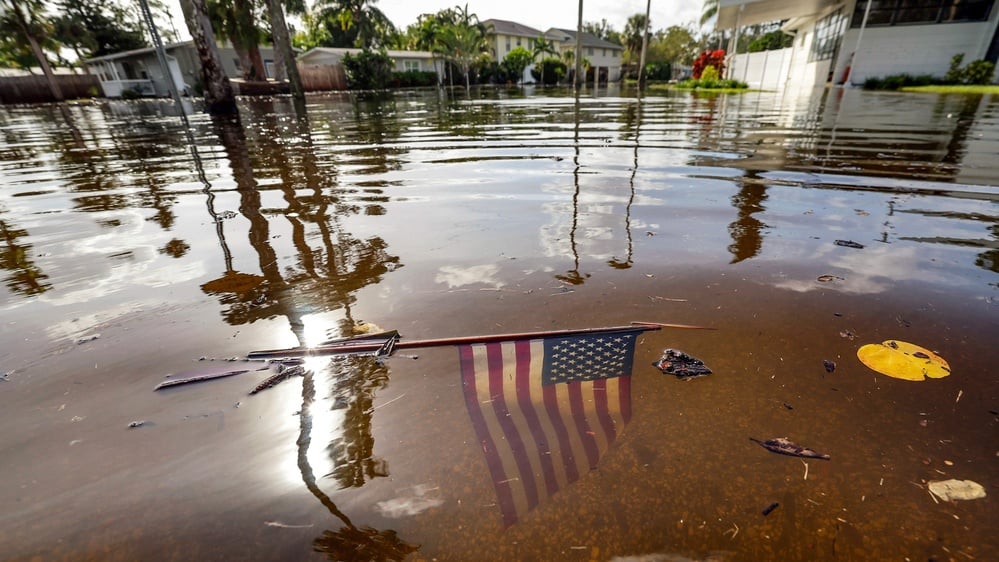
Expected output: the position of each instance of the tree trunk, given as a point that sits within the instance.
(219, 97)
(282, 44)
(247, 30)
(36, 50)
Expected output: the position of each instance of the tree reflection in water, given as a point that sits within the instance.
(349, 543)
(317, 280)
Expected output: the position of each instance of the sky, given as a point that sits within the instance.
(543, 14)
(539, 14)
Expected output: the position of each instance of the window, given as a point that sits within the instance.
(589, 51)
(518, 41)
(235, 62)
(603, 53)
(409, 65)
(902, 12)
(828, 31)
(508, 44)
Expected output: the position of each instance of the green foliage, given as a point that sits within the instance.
(977, 72)
(515, 62)
(368, 70)
(413, 79)
(350, 23)
(553, 70)
(709, 80)
(897, 81)
(953, 75)
(658, 71)
(93, 28)
(771, 41)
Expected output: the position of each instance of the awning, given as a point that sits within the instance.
(765, 11)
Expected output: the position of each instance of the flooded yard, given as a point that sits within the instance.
(137, 246)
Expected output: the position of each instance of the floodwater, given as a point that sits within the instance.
(133, 246)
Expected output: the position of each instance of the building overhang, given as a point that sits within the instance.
(732, 13)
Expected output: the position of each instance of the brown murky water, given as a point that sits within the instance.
(504, 213)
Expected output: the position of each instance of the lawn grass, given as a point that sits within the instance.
(961, 89)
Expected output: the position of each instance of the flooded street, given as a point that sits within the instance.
(136, 248)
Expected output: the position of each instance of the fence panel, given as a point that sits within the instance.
(35, 88)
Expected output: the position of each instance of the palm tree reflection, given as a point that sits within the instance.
(350, 542)
(314, 280)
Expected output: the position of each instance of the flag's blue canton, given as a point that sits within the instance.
(588, 357)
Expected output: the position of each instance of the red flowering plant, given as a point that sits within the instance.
(708, 58)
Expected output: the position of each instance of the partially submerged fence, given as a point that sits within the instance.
(35, 88)
(322, 77)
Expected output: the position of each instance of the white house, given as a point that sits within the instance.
(139, 69)
(852, 40)
(404, 60)
(505, 36)
(604, 57)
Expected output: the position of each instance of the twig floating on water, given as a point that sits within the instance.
(806, 469)
(200, 378)
(283, 374)
(769, 509)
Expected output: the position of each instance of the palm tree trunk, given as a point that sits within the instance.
(36, 50)
(282, 44)
(219, 97)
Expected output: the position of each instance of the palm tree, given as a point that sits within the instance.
(219, 97)
(282, 44)
(541, 47)
(26, 17)
(359, 22)
(465, 40)
(709, 10)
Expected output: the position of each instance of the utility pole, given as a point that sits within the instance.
(645, 45)
(579, 49)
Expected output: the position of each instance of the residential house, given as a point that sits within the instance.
(604, 57)
(505, 36)
(404, 60)
(852, 40)
(139, 70)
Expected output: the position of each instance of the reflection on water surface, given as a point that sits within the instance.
(505, 211)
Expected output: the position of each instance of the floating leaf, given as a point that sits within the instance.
(903, 360)
(949, 490)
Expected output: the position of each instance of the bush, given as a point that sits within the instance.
(413, 79)
(368, 70)
(977, 72)
(555, 70)
(658, 71)
(898, 81)
(709, 80)
(715, 59)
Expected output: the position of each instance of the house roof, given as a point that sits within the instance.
(137, 52)
(732, 13)
(505, 27)
(340, 51)
(568, 37)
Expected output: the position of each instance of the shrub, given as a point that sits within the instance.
(368, 70)
(413, 79)
(555, 70)
(715, 59)
(709, 80)
(977, 72)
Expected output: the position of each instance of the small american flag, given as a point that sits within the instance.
(545, 410)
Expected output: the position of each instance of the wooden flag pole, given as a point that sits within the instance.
(364, 346)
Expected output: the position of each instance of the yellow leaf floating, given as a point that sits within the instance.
(903, 360)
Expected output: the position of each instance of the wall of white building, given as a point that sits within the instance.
(911, 49)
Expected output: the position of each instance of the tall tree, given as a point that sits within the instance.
(465, 40)
(93, 28)
(27, 18)
(354, 23)
(219, 97)
(541, 47)
(634, 31)
(234, 21)
(709, 10)
(282, 44)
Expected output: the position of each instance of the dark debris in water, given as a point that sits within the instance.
(683, 366)
(849, 244)
(829, 365)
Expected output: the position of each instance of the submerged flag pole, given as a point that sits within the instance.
(374, 342)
